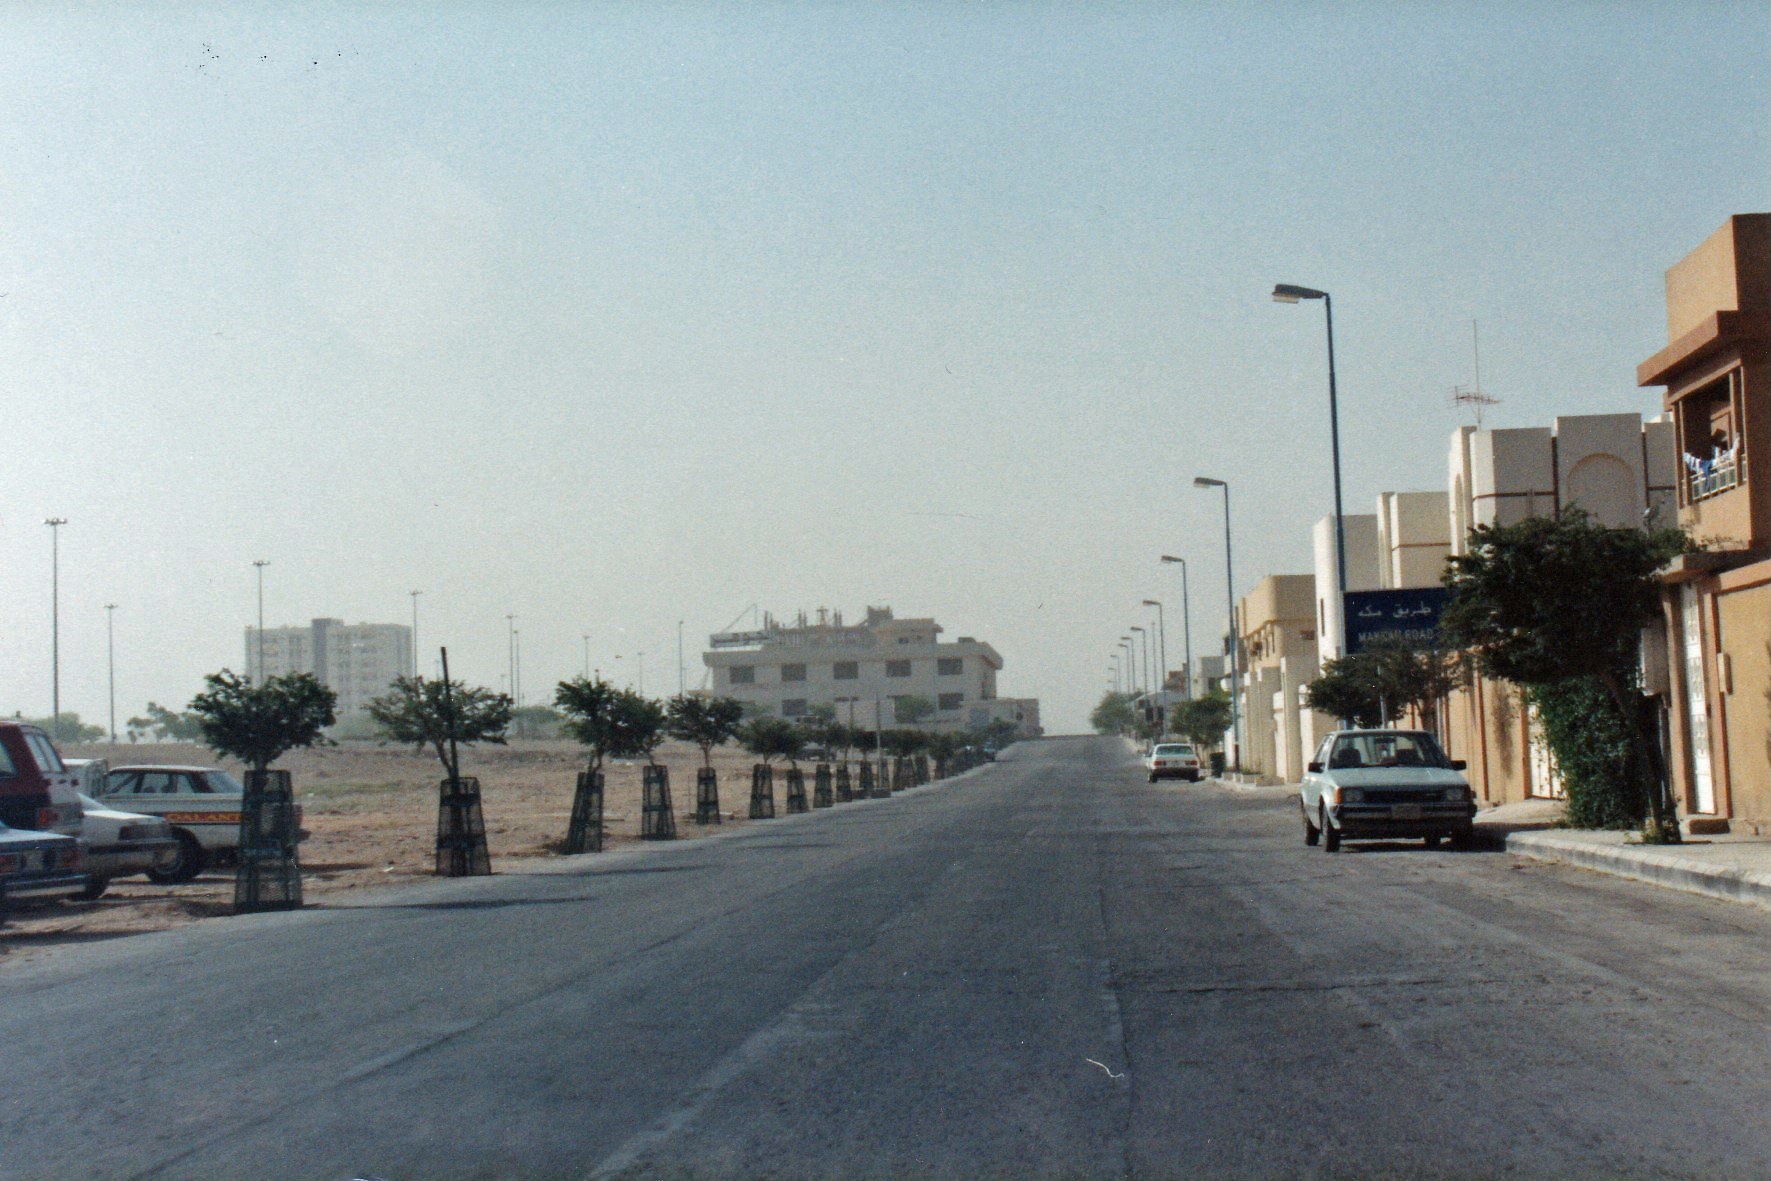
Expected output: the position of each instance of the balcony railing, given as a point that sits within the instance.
(1706, 477)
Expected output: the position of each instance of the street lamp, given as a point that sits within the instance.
(1289, 293)
(111, 659)
(55, 524)
(415, 595)
(587, 656)
(1162, 655)
(1130, 666)
(260, 565)
(1230, 591)
(1186, 619)
(510, 656)
(1143, 647)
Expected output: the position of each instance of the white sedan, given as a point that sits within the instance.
(1378, 784)
(1173, 760)
(119, 844)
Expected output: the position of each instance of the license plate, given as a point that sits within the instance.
(1406, 811)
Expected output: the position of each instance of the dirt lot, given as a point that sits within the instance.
(372, 813)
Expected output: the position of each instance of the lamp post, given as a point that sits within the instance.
(1143, 642)
(510, 656)
(1186, 620)
(55, 524)
(1235, 644)
(587, 655)
(1118, 685)
(259, 566)
(679, 657)
(111, 662)
(1162, 656)
(1130, 665)
(415, 595)
(1289, 293)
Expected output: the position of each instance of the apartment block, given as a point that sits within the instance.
(358, 661)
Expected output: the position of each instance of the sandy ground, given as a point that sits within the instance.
(372, 815)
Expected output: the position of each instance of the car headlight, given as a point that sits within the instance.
(1456, 794)
(1351, 795)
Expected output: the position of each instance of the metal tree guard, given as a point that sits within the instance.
(867, 786)
(584, 832)
(822, 795)
(268, 876)
(796, 791)
(762, 792)
(845, 791)
(900, 773)
(922, 769)
(657, 821)
(707, 796)
(461, 825)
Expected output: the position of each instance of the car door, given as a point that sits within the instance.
(1312, 787)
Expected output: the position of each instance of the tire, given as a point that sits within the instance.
(1464, 838)
(1433, 841)
(1312, 834)
(95, 889)
(186, 866)
(1152, 779)
(1331, 836)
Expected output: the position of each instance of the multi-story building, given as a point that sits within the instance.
(1276, 624)
(1715, 678)
(863, 670)
(357, 661)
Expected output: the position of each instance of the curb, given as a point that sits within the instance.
(1666, 869)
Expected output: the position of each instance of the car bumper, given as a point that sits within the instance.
(23, 887)
(128, 857)
(1175, 772)
(1383, 820)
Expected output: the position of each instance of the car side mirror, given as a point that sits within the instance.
(1313, 768)
(1458, 764)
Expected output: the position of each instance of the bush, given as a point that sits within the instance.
(1591, 742)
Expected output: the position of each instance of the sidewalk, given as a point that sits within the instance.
(1734, 868)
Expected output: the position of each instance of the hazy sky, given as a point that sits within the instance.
(613, 315)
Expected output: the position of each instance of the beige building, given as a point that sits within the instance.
(1277, 633)
(863, 669)
(1716, 369)
(357, 661)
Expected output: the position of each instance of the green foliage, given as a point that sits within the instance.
(1114, 714)
(1375, 685)
(421, 712)
(67, 727)
(706, 721)
(912, 708)
(905, 743)
(770, 738)
(168, 726)
(613, 723)
(258, 724)
(1591, 741)
(1202, 720)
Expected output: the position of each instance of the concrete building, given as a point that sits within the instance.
(1277, 633)
(358, 661)
(1617, 468)
(863, 669)
(1716, 370)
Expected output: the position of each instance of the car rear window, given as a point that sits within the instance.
(43, 752)
(6, 764)
(1174, 749)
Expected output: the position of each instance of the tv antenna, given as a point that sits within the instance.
(1472, 395)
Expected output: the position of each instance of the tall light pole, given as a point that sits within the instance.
(510, 656)
(516, 693)
(111, 661)
(1162, 654)
(679, 657)
(55, 524)
(1142, 641)
(1186, 619)
(641, 690)
(259, 566)
(1289, 293)
(1131, 668)
(1235, 640)
(415, 595)
(586, 655)
(1113, 663)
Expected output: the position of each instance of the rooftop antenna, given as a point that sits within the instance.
(1473, 396)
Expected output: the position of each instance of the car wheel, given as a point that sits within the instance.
(95, 889)
(1312, 834)
(187, 865)
(1433, 840)
(1152, 778)
(1331, 836)
(1463, 838)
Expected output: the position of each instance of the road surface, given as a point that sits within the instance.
(1046, 968)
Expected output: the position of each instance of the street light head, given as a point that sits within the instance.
(52, 522)
(1291, 293)
(1138, 629)
(1206, 482)
(1152, 603)
(1172, 558)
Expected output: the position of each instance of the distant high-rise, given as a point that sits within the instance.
(357, 661)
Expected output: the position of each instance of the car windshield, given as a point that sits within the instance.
(1386, 749)
(220, 782)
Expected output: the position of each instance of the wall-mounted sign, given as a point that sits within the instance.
(1394, 616)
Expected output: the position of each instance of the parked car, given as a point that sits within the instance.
(202, 804)
(89, 775)
(37, 792)
(40, 866)
(1173, 760)
(121, 844)
(1377, 784)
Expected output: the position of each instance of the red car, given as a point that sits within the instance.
(37, 793)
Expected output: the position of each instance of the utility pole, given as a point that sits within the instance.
(111, 660)
(415, 595)
(259, 566)
(587, 654)
(55, 524)
(510, 644)
(679, 657)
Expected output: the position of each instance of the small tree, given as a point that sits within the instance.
(706, 721)
(418, 712)
(1348, 688)
(167, 725)
(613, 723)
(643, 721)
(1114, 714)
(1203, 719)
(912, 709)
(258, 724)
(770, 738)
(1552, 599)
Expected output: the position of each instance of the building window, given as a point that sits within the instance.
(950, 666)
(743, 674)
(846, 670)
(793, 672)
(951, 701)
(793, 707)
(897, 668)
(1710, 439)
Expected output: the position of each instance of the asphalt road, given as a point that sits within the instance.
(1046, 968)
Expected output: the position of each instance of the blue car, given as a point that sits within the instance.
(40, 865)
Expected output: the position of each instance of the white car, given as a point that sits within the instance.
(1378, 784)
(202, 804)
(119, 844)
(1173, 760)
